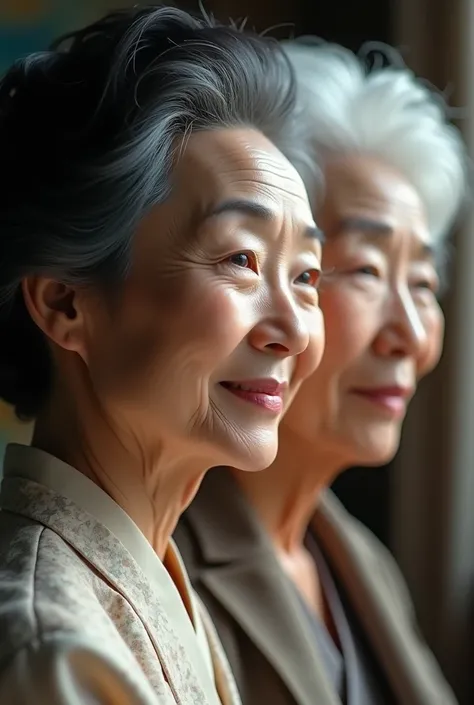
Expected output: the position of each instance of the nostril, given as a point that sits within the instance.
(277, 347)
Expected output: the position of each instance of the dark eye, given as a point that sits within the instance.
(369, 271)
(311, 277)
(427, 285)
(241, 259)
(244, 260)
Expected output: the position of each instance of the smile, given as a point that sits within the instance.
(265, 393)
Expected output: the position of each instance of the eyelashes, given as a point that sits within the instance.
(310, 277)
(243, 260)
(246, 260)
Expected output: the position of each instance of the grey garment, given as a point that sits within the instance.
(266, 635)
(353, 671)
(332, 659)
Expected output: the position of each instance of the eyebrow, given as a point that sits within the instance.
(373, 228)
(257, 210)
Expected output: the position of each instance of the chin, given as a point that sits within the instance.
(255, 460)
(250, 452)
(369, 444)
(238, 441)
(375, 455)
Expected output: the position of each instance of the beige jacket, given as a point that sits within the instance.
(88, 613)
(270, 645)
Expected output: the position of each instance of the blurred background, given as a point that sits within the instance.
(422, 504)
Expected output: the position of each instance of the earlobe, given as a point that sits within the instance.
(55, 308)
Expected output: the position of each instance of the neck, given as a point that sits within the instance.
(285, 495)
(152, 486)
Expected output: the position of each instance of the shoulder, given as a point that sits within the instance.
(389, 587)
(36, 560)
(60, 624)
(45, 586)
(371, 553)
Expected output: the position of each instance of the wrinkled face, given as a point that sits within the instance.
(218, 321)
(384, 327)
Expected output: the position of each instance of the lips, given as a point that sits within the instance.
(389, 391)
(265, 393)
(259, 386)
(391, 399)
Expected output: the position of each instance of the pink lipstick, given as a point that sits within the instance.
(266, 393)
(392, 400)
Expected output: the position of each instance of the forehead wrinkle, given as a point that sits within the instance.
(234, 168)
(255, 160)
(268, 189)
(282, 170)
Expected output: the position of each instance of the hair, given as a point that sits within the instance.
(347, 103)
(88, 136)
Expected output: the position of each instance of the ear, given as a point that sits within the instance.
(57, 309)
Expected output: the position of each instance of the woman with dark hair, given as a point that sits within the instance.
(158, 308)
(311, 608)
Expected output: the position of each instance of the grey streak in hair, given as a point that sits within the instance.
(88, 135)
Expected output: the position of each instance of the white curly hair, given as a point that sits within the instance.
(347, 103)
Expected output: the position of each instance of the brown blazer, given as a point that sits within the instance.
(270, 646)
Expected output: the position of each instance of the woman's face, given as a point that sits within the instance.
(384, 326)
(218, 321)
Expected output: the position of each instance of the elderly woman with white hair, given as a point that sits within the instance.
(310, 607)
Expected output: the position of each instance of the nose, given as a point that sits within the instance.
(404, 334)
(284, 330)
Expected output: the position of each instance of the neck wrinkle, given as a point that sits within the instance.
(152, 487)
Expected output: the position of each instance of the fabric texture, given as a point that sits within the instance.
(83, 619)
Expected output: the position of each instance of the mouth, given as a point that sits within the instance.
(265, 393)
(392, 400)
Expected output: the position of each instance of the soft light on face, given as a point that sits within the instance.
(384, 326)
(218, 322)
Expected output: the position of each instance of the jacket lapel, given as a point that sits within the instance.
(386, 619)
(242, 572)
(100, 548)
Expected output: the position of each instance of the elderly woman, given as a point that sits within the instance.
(310, 607)
(158, 272)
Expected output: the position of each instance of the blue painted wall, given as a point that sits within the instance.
(30, 25)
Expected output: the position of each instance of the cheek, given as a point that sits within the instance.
(304, 366)
(434, 326)
(349, 329)
(348, 332)
(212, 326)
(309, 360)
(174, 342)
